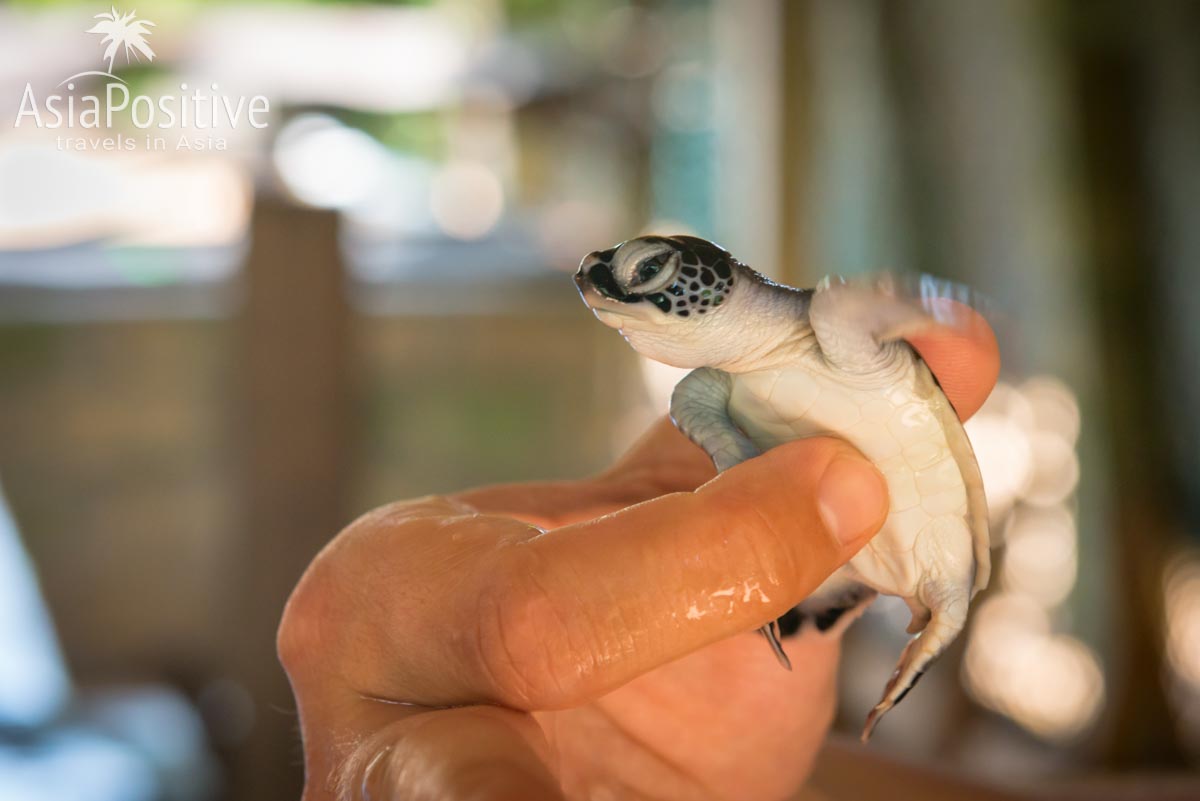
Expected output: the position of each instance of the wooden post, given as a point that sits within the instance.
(292, 439)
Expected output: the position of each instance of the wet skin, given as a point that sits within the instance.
(447, 648)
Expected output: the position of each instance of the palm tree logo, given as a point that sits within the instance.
(123, 31)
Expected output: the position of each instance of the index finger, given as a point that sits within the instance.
(962, 353)
(467, 609)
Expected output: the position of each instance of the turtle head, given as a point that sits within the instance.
(668, 296)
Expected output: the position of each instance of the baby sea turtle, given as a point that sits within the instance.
(773, 364)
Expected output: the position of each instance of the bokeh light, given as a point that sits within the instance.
(467, 200)
(326, 164)
(1051, 684)
(1041, 554)
(1181, 585)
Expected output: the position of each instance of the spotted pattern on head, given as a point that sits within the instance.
(703, 282)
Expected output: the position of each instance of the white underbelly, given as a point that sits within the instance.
(893, 427)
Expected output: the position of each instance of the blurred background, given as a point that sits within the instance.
(214, 356)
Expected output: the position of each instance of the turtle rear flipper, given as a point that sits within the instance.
(946, 593)
(944, 626)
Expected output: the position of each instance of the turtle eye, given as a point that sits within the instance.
(650, 267)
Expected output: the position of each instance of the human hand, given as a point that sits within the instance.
(445, 648)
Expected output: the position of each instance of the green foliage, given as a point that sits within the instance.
(533, 10)
(420, 134)
(529, 11)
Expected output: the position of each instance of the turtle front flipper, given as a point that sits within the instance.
(773, 632)
(829, 604)
(830, 610)
(700, 409)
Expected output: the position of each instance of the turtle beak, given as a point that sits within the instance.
(581, 281)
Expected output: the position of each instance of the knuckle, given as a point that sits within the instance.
(528, 653)
(299, 635)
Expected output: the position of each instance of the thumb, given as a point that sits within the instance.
(821, 481)
(654, 582)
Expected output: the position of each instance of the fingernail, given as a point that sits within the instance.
(851, 497)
